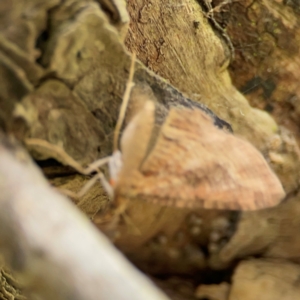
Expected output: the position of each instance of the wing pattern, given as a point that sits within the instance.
(194, 164)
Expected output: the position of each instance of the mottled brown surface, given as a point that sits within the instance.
(266, 38)
(213, 291)
(265, 279)
(63, 68)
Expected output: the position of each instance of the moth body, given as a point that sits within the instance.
(114, 166)
(192, 164)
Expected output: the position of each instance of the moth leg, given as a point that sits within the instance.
(106, 185)
(100, 176)
(95, 165)
(60, 155)
(86, 187)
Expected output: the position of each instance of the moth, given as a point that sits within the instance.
(190, 163)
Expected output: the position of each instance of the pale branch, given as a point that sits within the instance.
(53, 248)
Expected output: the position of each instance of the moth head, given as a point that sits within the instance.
(115, 164)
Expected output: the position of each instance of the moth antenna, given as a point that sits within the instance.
(124, 104)
(65, 158)
(60, 156)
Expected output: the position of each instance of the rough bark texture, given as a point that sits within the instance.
(64, 66)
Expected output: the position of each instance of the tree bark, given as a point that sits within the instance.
(64, 66)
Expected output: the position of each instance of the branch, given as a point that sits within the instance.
(56, 251)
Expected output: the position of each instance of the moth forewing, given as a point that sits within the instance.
(194, 164)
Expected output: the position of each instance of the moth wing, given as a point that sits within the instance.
(194, 164)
